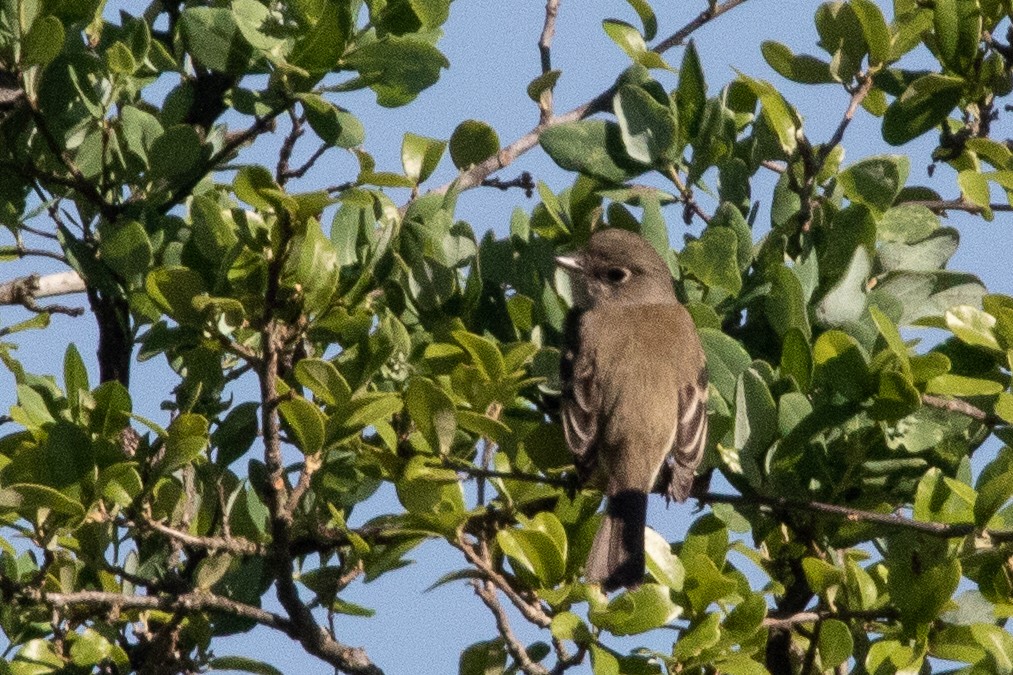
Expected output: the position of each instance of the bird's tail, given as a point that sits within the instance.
(617, 554)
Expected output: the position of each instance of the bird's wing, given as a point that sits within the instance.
(581, 402)
(690, 437)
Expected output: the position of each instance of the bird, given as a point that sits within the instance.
(634, 393)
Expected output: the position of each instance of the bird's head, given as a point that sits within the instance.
(618, 267)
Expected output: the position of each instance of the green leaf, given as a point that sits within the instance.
(27, 499)
(957, 25)
(324, 380)
(781, 117)
(420, 155)
(174, 290)
(994, 487)
(472, 142)
(367, 409)
(974, 188)
(75, 375)
(484, 658)
(698, 638)
(120, 60)
(841, 35)
(961, 385)
(713, 259)
(796, 357)
(755, 425)
(875, 29)
(545, 82)
(691, 92)
(785, 304)
(538, 547)
(664, 566)
(425, 490)
(306, 423)
(176, 153)
(972, 326)
(726, 360)
(648, 128)
(940, 499)
(120, 483)
(632, 43)
(188, 436)
(647, 17)
(929, 254)
(800, 68)
(835, 642)
(906, 223)
(318, 48)
(433, 412)
(214, 39)
(875, 181)
(592, 147)
(126, 247)
(43, 42)
(924, 104)
(821, 575)
(397, 68)
(112, 409)
(333, 125)
(89, 648)
(845, 302)
(243, 664)
(649, 606)
(922, 576)
(841, 365)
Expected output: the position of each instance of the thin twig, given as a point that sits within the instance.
(309, 467)
(853, 515)
(231, 145)
(487, 593)
(963, 407)
(857, 96)
(545, 51)
(530, 611)
(287, 146)
(523, 181)
(792, 620)
(474, 176)
(308, 164)
(238, 546)
(680, 36)
(687, 197)
(960, 204)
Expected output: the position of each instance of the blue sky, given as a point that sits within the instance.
(492, 48)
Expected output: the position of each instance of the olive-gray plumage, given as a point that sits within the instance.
(634, 393)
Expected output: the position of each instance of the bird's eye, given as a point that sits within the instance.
(617, 275)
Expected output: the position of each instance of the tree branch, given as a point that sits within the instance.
(487, 593)
(474, 176)
(545, 51)
(958, 406)
(942, 530)
(942, 205)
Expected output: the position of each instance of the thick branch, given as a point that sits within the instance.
(189, 602)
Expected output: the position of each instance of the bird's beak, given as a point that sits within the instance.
(569, 262)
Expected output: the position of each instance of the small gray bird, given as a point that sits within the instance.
(634, 393)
